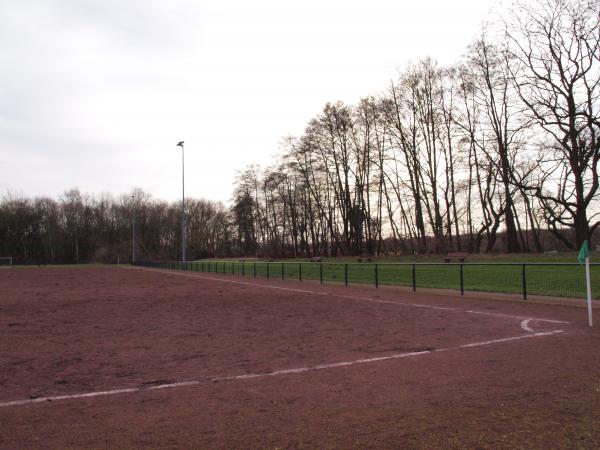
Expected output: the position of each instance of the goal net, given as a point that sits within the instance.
(5, 262)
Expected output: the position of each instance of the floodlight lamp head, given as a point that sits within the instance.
(180, 144)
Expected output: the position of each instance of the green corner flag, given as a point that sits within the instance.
(584, 257)
(583, 252)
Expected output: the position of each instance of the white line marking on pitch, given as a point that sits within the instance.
(243, 283)
(69, 397)
(364, 299)
(272, 374)
(525, 326)
(494, 314)
(382, 358)
(173, 385)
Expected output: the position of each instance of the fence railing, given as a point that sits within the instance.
(524, 279)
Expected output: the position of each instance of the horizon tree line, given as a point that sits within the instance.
(80, 228)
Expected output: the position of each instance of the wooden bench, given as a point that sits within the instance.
(316, 259)
(460, 256)
(365, 257)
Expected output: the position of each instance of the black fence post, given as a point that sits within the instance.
(414, 277)
(243, 269)
(462, 280)
(321, 272)
(346, 274)
(376, 276)
(254, 270)
(524, 277)
(299, 271)
(282, 271)
(267, 270)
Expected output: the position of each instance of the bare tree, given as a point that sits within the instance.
(555, 67)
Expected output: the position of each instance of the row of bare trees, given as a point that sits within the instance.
(504, 143)
(82, 228)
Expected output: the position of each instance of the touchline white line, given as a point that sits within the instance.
(69, 396)
(272, 374)
(354, 297)
(383, 358)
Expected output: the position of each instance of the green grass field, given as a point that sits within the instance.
(547, 275)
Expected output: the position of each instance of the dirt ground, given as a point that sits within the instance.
(272, 364)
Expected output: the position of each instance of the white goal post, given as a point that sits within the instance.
(5, 262)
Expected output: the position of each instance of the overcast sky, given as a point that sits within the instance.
(96, 93)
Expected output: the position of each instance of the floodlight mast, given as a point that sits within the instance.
(133, 230)
(180, 144)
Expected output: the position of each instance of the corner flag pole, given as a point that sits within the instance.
(584, 254)
(589, 290)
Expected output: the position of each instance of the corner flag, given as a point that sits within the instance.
(584, 256)
(584, 252)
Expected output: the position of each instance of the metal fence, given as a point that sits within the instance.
(524, 279)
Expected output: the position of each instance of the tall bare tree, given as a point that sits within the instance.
(555, 67)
